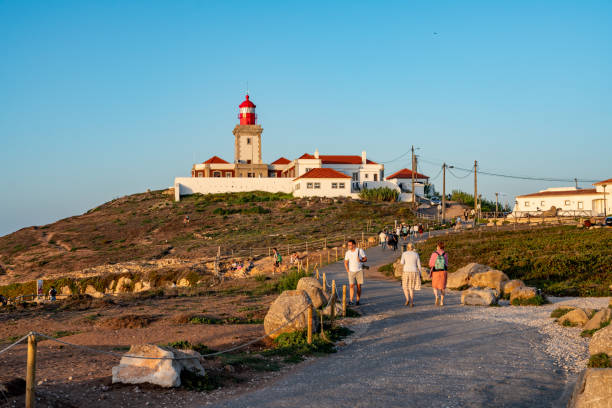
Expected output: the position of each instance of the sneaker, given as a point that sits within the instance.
(350, 303)
(357, 303)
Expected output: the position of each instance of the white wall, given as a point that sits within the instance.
(212, 185)
(544, 203)
(419, 188)
(325, 189)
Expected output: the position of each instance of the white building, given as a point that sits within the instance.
(403, 178)
(568, 201)
(322, 182)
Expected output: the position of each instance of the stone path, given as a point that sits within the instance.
(421, 357)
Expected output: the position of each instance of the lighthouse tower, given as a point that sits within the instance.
(247, 144)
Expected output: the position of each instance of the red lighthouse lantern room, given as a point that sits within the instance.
(247, 112)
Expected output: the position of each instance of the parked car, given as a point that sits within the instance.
(608, 221)
(435, 201)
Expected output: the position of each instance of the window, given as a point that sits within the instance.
(200, 174)
(355, 176)
(248, 162)
(216, 174)
(341, 185)
(580, 205)
(542, 203)
(308, 169)
(317, 185)
(297, 186)
(248, 140)
(228, 174)
(376, 177)
(252, 175)
(367, 175)
(526, 203)
(334, 185)
(567, 202)
(308, 185)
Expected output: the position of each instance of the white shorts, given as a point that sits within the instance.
(355, 276)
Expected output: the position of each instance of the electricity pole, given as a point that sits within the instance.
(576, 181)
(475, 191)
(496, 203)
(413, 170)
(443, 193)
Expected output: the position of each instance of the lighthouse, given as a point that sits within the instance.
(247, 142)
(247, 112)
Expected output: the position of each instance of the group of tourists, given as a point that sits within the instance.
(390, 237)
(354, 263)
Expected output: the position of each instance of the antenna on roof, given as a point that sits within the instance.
(247, 87)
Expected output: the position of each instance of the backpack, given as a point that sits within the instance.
(440, 263)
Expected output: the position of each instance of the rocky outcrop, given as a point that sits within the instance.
(593, 389)
(183, 283)
(523, 293)
(576, 317)
(288, 311)
(478, 297)
(124, 284)
(461, 277)
(602, 341)
(93, 292)
(398, 269)
(141, 286)
(314, 289)
(493, 279)
(66, 291)
(509, 286)
(165, 372)
(599, 318)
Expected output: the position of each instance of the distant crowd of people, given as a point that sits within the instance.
(389, 238)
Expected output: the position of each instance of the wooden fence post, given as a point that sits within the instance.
(31, 372)
(344, 300)
(307, 264)
(320, 258)
(324, 283)
(333, 303)
(328, 256)
(318, 277)
(309, 323)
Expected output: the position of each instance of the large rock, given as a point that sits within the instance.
(461, 277)
(493, 279)
(123, 285)
(523, 293)
(66, 290)
(93, 292)
(183, 283)
(398, 269)
(602, 341)
(337, 310)
(314, 289)
(163, 372)
(510, 285)
(603, 316)
(478, 297)
(142, 286)
(288, 311)
(593, 389)
(576, 317)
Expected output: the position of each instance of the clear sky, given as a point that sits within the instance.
(107, 98)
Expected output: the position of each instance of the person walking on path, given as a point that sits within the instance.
(438, 262)
(353, 263)
(52, 293)
(382, 238)
(411, 275)
(278, 259)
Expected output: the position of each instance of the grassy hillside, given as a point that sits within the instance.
(150, 226)
(561, 260)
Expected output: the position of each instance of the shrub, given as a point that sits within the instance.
(601, 360)
(290, 280)
(537, 300)
(560, 311)
(379, 194)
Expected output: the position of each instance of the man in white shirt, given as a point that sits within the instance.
(382, 238)
(353, 263)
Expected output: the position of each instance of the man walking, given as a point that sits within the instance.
(382, 238)
(353, 263)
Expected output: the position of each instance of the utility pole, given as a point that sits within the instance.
(496, 203)
(413, 170)
(475, 191)
(576, 181)
(443, 193)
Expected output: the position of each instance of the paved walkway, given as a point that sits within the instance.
(419, 357)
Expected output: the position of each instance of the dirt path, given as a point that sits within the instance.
(422, 357)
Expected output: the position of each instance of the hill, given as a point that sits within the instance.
(150, 227)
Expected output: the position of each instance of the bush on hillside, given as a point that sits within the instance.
(379, 194)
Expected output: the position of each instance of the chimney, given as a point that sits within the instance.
(363, 157)
(316, 153)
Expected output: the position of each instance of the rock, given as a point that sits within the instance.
(493, 279)
(576, 317)
(593, 389)
(478, 297)
(142, 286)
(523, 293)
(165, 373)
(602, 341)
(314, 289)
(124, 284)
(461, 277)
(602, 316)
(398, 269)
(426, 274)
(510, 285)
(65, 290)
(93, 292)
(286, 307)
(111, 287)
(337, 309)
(183, 282)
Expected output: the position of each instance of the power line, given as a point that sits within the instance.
(459, 177)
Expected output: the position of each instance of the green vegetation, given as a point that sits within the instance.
(560, 311)
(589, 333)
(468, 199)
(379, 194)
(538, 300)
(185, 345)
(227, 320)
(601, 360)
(562, 261)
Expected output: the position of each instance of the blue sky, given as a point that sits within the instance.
(102, 99)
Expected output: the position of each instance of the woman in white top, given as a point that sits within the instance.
(411, 276)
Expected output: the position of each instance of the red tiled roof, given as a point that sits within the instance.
(608, 181)
(281, 160)
(337, 159)
(215, 160)
(323, 173)
(406, 174)
(561, 193)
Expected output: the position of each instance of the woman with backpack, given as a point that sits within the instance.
(438, 262)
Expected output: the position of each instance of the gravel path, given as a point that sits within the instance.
(435, 357)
